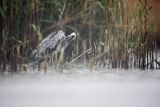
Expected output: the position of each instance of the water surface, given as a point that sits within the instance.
(81, 88)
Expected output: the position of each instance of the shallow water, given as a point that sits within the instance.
(81, 88)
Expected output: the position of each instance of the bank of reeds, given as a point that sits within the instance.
(106, 36)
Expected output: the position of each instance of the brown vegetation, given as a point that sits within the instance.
(128, 29)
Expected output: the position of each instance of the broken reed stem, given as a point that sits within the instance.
(75, 59)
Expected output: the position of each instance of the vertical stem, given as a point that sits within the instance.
(156, 52)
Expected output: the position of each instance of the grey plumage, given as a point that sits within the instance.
(51, 45)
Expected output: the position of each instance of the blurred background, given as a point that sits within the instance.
(119, 33)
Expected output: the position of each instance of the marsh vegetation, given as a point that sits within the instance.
(110, 35)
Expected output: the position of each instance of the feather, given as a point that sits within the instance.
(53, 43)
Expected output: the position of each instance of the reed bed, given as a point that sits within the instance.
(106, 36)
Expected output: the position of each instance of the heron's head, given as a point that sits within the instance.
(71, 37)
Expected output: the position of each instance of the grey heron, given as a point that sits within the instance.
(52, 44)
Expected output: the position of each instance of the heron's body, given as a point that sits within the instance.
(51, 45)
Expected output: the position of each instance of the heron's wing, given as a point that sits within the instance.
(50, 42)
(48, 45)
(48, 38)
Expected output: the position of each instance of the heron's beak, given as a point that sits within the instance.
(71, 37)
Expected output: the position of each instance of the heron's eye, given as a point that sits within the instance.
(62, 37)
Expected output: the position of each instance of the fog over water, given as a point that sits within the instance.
(81, 88)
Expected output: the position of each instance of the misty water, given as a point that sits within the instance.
(81, 88)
